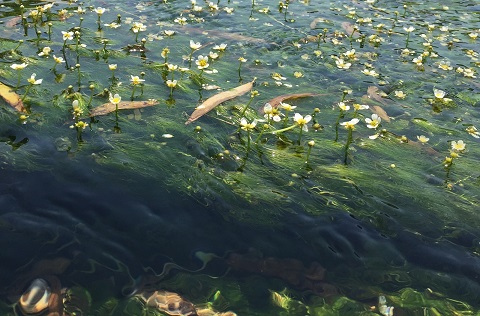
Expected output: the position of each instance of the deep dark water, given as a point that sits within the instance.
(113, 230)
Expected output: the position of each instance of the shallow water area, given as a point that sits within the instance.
(361, 182)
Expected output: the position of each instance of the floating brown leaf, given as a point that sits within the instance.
(381, 113)
(376, 94)
(275, 102)
(11, 98)
(217, 99)
(124, 105)
(350, 29)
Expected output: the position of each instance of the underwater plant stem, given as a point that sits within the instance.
(133, 93)
(26, 92)
(408, 38)
(337, 123)
(300, 135)
(246, 107)
(347, 145)
(239, 72)
(248, 142)
(284, 129)
(19, 78)
(308, 154)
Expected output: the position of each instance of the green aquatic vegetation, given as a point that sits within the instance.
(348, 48)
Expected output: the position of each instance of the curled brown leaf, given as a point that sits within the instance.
(11, 98)
(124, 105)
(217, 99)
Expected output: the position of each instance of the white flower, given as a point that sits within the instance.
(423, 138)
(67, 35)
(439, 94)
(350, 124)
(171, 83)
(45, 51)
(302, 121)
(247, 126)
(115, 99)
(195, 46)
(374, 122)
(58, 60)
(400, 94)
(18, 66)
(136, 80)
(458, 146)
(271, 112)
(359, 107)
(32, 80)
(409, 29)
(472, 130)
(137, 27)
(99, 10)
(287, 107)
(112, 66)
(342, 64)
(202, 62)
(370, 72)
(220, 47)
(169, 32)
(343, 106)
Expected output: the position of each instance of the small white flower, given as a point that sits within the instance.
(220, 47)
(32, 80)
(99, 10)
(458, 146)
(439, 94)
(45, 51)
(18, 66)
(423, 138)
(343, 106)
(374, 122)
(115, 99)
(171, 83)
(350, 124)
(195, 46)
(302, 121)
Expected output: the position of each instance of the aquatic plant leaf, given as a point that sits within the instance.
(217, 99)
(124, 105)
(11, 98)
(275, 102)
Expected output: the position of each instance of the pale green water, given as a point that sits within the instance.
(392, 221)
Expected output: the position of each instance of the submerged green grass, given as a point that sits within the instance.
(338, 51)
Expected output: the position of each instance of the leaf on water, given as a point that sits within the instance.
(124, 105)
(349, 29)
(275, 102)
(374, 93)
(381, 113)
(11, 98)
(13, 22)
(217, 99)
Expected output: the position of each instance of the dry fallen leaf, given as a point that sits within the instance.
(275, 102)
(11, 98)
(217, 99)
(381, 113)
(374, 93)
(350, 29)
(124, 105)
